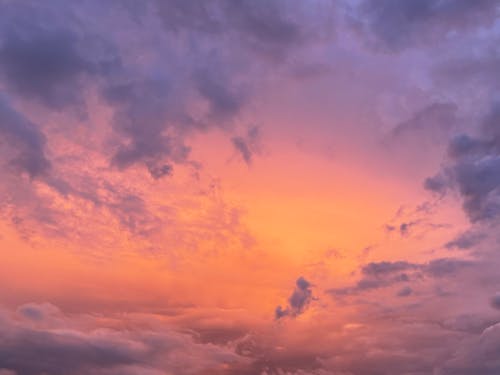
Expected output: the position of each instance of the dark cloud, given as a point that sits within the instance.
(57, 63)
(378, 275)
(268, 28)
(381, 269)
(405, 291)
(32, 352)
(393, 25)
(154, 115)
(179, 15)
(404, 228)
(437, 184)
(142, 117)
(241, 146)
(159, 171)
(23, 142)
(478, 182)
(470, 323)
(474, 170)
(43, 65)
(446, 267)
(298, 301)
(385, 274)
(265, 25)
(33, 346)
(224, 100)
(247, 145)
(466, 240)
(463, 145)
(475, 356)
(37, 311)
(495, 301)
(61, 53)
(200, 88)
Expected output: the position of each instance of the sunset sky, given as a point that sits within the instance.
(254, 187)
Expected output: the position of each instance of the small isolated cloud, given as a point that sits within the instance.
(298, 301)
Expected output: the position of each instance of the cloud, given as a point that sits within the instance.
(466, 240)
(266, 28)
(393, 26)
(474, 169)
(43, 65)
(436, 184)
(376, 275)
(247, 145)
(428, 124)
(476, 356)
(37, 311)
(23, 142)
(136, 102)
(298, 301)
(495, 301)
(405, 291)
(29, 351)
(66, 346)
(156, 103)
(445, 267)
(381, 269)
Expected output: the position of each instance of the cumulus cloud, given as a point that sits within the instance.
(476, 356)
(156, 102)
(65, 346)
(139, 88)
(269, 29)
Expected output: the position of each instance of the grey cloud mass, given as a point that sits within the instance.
(392, 25)
(473, 169)
(23, 143)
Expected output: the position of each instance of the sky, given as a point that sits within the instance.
(249, 187)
